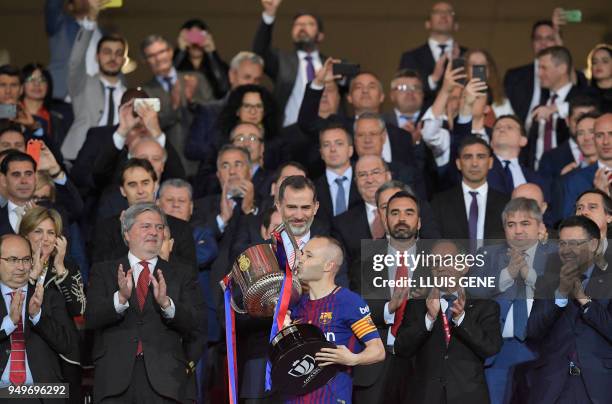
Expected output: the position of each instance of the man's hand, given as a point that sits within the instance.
(126, 284)
(227, 205)
(326, 73)
(339, 355)
(601, 180)
(569, 168)
(543, 112)
(452, 77)
(159, 290)
(36, 300)
(438, 71)
(567, 276)
(248, 199)
(47, 161)
(190, 84)
(558, 20)
(127, 120)
(167, 245)
(475, 88)
(94, 8)
(458, 307)
(433, 304)
(270, 6)
(16, 306)
(149, 119)
(400, 295)
(415, 131)
(517, 262)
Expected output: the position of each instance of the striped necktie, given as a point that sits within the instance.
(17, 371)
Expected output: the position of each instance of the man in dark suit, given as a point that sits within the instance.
(36, 327)
(549, 128)
(138, 184)
(290, 71)
(382, 382)
(507, 140)
(448, 336)
(336, 189)
(407, 94)
(570, 321)
(471, 210)
(570, 154)
(148, 317)
(179, 93)
(594, 176)
(429, 59)
(515, 265)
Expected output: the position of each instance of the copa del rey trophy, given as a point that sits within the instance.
(269, 285)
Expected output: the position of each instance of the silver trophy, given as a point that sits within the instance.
(260, 278)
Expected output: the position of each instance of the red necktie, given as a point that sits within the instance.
(17, 373)
(376, 228)
(401, 273)
(142, 287)
(548, 128)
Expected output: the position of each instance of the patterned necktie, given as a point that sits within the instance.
(548, 128)
(17, 371)
(401, 273)
(340, 196)
(376, 228)
(293, 254)
(509, 179)
(450, 299)
(310, 71)
(142, 288)
(111, 106)
(473, 221)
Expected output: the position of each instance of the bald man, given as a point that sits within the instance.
(346, 316)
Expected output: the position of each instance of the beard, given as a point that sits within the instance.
(302, 229)
(305, 44)
(111, 73)
(402, 232)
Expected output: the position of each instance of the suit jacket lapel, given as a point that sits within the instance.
(460, 211)
(25, 320)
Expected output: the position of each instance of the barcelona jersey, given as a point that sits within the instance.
(344, 317)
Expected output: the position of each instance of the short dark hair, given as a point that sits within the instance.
(267, 216)
(404, 194)
(138, 163)
(294, 164)
(589, 226)
(515, 119)
(331, 124)
(583, 101)
(408, 73)
(607, 201)
(150, 40)
(297, 182)
(592, 115)
(540, 23)
(302, 13)
(230, 147)
(559, 55)
(13, 156)
(472, 140)
(195, 22)
(10, 70)
(112, 38)
(390, 185)
(9, 126)
(132, 93)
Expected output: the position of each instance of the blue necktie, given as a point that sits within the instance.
(168, 81)
(448, 313)
(508, 173)
(340, 196)
(519, 309)
(473, 221)
(310, 71)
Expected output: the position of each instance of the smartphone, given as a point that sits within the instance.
(346, 69)
(153, 103)
(33, 149)
(112, 4)
(573, 15)
(195, 37)
(8, 111)
(479, 72)
(457, 63)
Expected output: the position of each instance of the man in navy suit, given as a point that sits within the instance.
(570, 322)
(430, 59)
(515, 264)
(596, 175)
(407, 94)
(507, 140)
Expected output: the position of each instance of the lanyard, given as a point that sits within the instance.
(447, 331)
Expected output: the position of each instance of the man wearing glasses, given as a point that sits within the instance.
(251, 137)
(571, 320)
(35, 325)
(407, 94)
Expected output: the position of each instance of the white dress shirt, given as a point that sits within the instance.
(443, 306)
(481, 198)
(137, 268)
(437, 53)
(14, 218)
(506, 281)
(117, 94)
(333, 186)
(8, 327)
(436, 137)
(173, 77)
(401, 120)
(518, 178)
(370, 212)
(386, 150)
(562, 110)
(576, 153)
(535, 97)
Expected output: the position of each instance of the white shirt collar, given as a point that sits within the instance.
(302, 54)
(107, 83)
(563, 91)
(135, 260)
(482, 190)
(331, 176)
(173, 75)
(433, 44)
(11, 206)
(513, 161)
(7, 290)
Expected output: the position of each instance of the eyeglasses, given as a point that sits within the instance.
(26, 261)
(246, 138)
(408, 88)
(571, 243)
(252, 107)
(362, 175)
(156, 54)
(363, 135)
(36, 80)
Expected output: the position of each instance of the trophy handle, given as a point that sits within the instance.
(232, 302)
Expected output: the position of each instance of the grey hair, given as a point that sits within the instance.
(130, 214)
(260, 129)
(246, 56)
(393, 184)
(370, 115)
(526, 205)
(176, 183)
(230, 147)
(150, 40)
